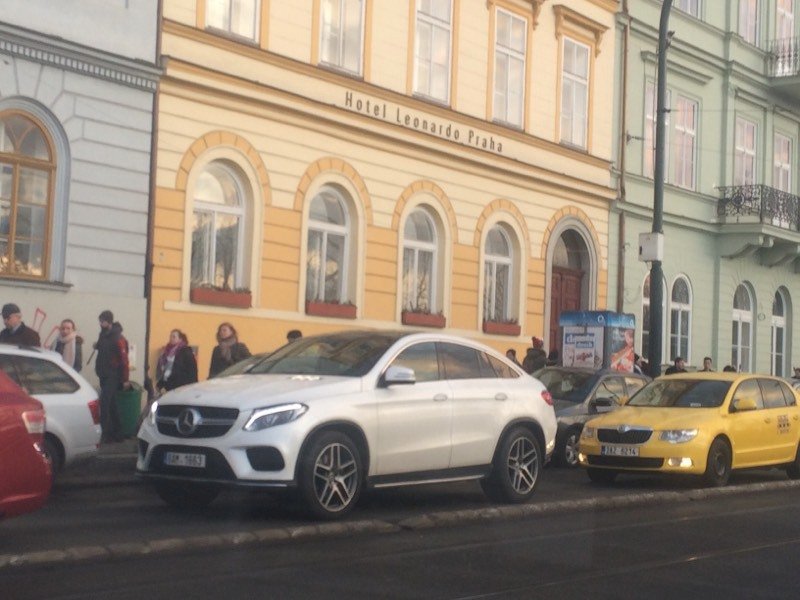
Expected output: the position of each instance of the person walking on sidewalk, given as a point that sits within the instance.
(177, 365)
(228, 351)
(111, 367)
(16, 332)
(69, 344)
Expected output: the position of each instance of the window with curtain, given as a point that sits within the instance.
(778, 337)
(742, 329)
(27, 169)
(680, 326)
(419, 263)
(342, 32)
(432, 49)
(498, 264)
(748, 20)
(691, 7)
(684, 145)
(509, 67)
(744, 164)
(328, 248)
(575, 93)
(239, 17)
(218, 218)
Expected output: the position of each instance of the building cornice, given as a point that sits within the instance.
(54, 52)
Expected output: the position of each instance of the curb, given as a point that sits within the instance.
(373, 526)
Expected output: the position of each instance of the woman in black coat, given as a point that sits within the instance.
(177, 365)
(228, 350)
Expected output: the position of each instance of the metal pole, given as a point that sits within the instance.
(656, 273)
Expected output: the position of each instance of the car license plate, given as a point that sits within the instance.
(185, 459)
(619, 451)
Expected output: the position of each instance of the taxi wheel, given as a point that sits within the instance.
(718, 465)
(793, 468)
(186, 495)
(601, 476)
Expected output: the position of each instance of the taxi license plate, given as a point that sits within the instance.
(619, 451)
(185, 459)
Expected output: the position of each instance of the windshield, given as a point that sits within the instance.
(343, 355)
(572, 386)
(243, 366)
(682, 393)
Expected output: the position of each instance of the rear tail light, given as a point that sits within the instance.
(35, 424)
(94, 408)
(547, 397)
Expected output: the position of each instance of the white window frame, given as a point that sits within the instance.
(570, 129)
(491, 263)
(229, 6)
(777, 356)
(411, 287)
(679, 313)
(329, 229)
(749, 21)
(341, 7)
(782, 163)
(740, 316)
(685, 144)
(745, 156)
(650, 132)
(690, 7)
(215, 209)
(424, 20)
(504, 52)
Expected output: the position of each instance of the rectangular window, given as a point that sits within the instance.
(650, 131)
(748, 20)
(342, 34)
(745, 158)
(432, 49)
(691, 7)
(782, 171)
(239, 17)
(509, 68)
(685, 143)
(785, 20)
(575, 93)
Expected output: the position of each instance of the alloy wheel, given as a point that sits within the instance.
(523, 465)
(335, 477)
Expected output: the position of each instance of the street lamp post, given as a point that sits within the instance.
(656, 273)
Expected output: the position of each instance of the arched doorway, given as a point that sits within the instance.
(569, 280)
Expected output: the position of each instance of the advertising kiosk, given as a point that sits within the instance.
(598, 339)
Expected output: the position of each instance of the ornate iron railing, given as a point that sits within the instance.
(768, 204)
(784, 57)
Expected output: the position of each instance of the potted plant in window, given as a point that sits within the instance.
(423, 318)
(221, 296)
(328, 308)
(504, 327)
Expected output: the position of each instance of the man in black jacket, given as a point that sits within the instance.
(16, 332)
(111, 367)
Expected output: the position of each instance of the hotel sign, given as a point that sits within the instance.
(435, 127)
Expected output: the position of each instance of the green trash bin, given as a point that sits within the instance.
(129, 407)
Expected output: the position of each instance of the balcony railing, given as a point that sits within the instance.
(769, 205)
(784, 57)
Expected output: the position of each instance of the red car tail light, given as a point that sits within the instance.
(35, 424)
(547, 397)
(94, 409)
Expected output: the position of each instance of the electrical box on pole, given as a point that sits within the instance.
(651, 246)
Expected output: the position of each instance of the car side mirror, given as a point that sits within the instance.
(744, 404)
(603, 405)
(623, 400)
(397, 375)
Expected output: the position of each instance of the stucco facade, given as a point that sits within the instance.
(83, 80)
(266, 113)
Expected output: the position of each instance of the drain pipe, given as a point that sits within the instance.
(623, 141)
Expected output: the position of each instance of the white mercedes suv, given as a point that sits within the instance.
(325, 416)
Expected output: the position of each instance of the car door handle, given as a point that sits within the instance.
(440, 397)
(501, 396)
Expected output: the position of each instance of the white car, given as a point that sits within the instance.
(331, 414)
(70, 403)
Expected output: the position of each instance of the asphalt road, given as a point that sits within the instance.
(734, 546)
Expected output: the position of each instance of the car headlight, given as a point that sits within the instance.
(678, 436)
(274, 415)
(153, 410)
(588, 433)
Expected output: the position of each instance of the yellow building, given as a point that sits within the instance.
(325, 164)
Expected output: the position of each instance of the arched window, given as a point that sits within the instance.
(680, 327)
(498, 263)
(646, 317)
(742, 329)
(328, 248)
(27, 169)
(778, 343)
(420, 248)
(218, 228)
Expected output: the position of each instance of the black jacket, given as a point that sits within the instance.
(23, 336)
(218, 363)
(535, 359)
(184, 370)
(112, 354)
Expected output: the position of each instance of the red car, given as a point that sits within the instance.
(25, 475)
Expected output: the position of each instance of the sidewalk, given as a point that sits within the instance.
(113, 465)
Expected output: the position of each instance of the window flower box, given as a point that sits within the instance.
(501, 328)
(330, 309)
(218, 297)
(423, 319)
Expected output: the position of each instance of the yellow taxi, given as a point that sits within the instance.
(697, 423)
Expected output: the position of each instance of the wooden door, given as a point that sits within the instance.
(565, 295)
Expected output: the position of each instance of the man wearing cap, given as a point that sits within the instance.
(16, 332)
(536, 357)
(111, 367)
(678, 367)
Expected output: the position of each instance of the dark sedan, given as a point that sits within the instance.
(580, 394)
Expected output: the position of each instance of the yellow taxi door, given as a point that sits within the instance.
(780, 441)
(748, 428)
